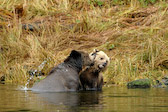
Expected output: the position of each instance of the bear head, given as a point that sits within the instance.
(101, 60)
(79, 59)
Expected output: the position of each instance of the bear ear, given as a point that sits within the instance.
(95, 50)
(75, 54)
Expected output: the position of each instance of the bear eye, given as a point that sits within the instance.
(101, 58)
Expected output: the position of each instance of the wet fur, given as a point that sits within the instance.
(91, 78)
(65, 76)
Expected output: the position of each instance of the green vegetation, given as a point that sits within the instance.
(141, 83)
(134, 34)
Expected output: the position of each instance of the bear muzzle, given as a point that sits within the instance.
(105, 64)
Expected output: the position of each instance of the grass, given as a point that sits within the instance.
(132, 32)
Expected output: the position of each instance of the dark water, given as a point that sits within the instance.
(111, 99)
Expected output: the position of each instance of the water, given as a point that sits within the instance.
(35, 72)
(111, 99)
(27, 84)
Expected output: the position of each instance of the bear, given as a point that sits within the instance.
(65, 76)
(91, 78)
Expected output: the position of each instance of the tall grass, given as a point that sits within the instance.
(132, 32)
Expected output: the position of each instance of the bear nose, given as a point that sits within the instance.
(105, 64)
(92, 64)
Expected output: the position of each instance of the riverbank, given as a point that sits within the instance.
(133, 34)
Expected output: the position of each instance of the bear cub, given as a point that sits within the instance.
(91, 78)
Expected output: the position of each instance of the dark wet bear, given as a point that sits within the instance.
(65, 76)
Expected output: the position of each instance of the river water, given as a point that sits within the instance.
(111, 99)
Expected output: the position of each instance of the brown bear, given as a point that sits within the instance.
(91, 78)
(65, 76)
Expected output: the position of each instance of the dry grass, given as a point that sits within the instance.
(133, 35)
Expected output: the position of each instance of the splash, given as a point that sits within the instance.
(34, 73)
(27, 84)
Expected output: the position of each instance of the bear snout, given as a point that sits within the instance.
(105, 64)
(92, 64)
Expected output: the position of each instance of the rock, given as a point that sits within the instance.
(163, 83)
(2, 79)
(31, 27)
(140, 83)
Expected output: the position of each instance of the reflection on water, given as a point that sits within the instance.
(72, 98)
(112, 99)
